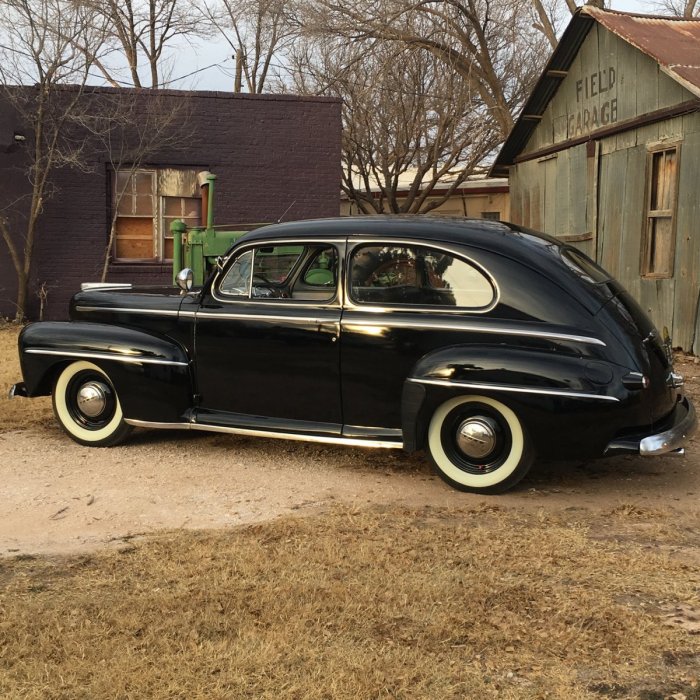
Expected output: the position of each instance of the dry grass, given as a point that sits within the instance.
(475, 604)
(364, 604)
(17, 414)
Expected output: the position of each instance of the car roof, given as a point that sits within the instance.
(496, 236)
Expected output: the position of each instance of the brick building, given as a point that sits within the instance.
(273, 155)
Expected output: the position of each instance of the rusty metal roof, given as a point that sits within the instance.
(673, 42)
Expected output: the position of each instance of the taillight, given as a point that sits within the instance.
(635, 381)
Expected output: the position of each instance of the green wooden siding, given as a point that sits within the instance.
(601, 191)
(640, 86)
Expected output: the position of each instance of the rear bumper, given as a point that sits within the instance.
(680, 425)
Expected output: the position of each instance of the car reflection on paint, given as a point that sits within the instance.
(483, 343)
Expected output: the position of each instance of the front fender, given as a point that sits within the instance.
(151, 373)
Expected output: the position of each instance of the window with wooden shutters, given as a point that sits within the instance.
(134, 200)
(146, 202)
(659, 241)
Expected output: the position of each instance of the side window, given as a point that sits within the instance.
(300, 272)
(237, 280)
(321, 269)
(416, 275)
(658, 250)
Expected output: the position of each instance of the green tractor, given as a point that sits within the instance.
(199, 247)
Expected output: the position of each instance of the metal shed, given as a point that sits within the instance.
(606, 155)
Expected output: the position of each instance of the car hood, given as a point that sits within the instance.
(153, 301)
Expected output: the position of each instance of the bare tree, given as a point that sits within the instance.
(128, 129)
(679, 8)
(38, 48)
(259, 33)
(491, 44)
(405, 120)
(140, 31)
(546, 18)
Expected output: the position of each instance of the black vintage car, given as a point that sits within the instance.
(484, 343)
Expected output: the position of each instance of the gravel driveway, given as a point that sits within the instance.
(60, 497)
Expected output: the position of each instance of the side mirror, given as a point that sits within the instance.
(184, 279)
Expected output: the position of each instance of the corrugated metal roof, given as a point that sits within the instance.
(673, 42)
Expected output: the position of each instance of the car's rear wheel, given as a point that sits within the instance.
(479, 444)
(87, 407)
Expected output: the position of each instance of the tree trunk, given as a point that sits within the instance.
(545, 25)
(108, 251)
(22, 294)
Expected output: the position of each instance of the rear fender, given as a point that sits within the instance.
(552, 394)
(150, 373)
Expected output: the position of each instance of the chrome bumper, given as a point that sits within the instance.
(18, 389)
(683, 423)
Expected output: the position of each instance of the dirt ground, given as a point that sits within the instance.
(59, 497)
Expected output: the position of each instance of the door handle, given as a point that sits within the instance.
(332, 327)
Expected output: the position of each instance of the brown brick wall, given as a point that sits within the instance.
(267, 152)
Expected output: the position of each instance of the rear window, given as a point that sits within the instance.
(583, 266)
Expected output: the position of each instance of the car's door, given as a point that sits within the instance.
(404, 299)
(267, 331)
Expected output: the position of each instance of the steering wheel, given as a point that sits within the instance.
(276, 291)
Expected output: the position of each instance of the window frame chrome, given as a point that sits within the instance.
(335, 302)
(354, 243)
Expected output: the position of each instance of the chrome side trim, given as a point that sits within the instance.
(477, 328)
(155, 424)
(327, 439)
(394, 323)
(514, 389)
(268, 317)
(85, 286)
(129, 359)
(157, 312)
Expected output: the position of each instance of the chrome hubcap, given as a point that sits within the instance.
(92, 399)
(476, 437)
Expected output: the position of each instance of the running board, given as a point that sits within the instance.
(327, 439)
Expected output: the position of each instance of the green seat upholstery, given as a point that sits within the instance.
(319, 277)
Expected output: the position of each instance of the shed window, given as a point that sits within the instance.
(146, 202)
(659, 234)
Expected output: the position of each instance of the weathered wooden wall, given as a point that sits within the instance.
(609, 81)
(593, 195)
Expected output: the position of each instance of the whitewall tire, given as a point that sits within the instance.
(86, 405)
(478, 444)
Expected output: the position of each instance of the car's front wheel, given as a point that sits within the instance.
(87, 407)
(479, 444)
